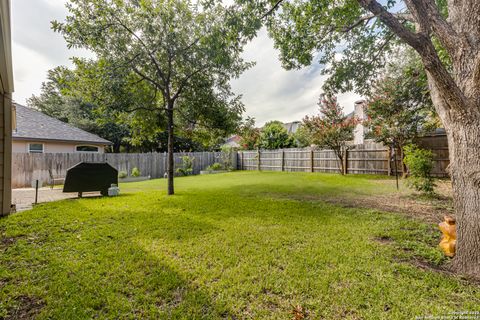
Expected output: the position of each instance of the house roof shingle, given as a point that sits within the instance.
(34, 125)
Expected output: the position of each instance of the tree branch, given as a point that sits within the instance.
(393, 23)
(366, 19)
(272, 9)
(427, 15)
(185, 80)
(145, 77)
(142, 108)
(142, 43)
(423, 45)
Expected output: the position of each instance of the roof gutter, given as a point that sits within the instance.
(106, 142)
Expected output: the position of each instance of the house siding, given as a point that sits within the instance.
(21, 146)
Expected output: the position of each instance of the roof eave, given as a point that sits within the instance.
(106, 142)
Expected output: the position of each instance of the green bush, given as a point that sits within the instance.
(227, 157)
(215, 167)
(187, 166)
(135, 172)
(122, 174)
(419, 163)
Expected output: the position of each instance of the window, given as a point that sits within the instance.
(86, 149)
(35, 148)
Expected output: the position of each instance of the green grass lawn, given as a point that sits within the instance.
(243, 245)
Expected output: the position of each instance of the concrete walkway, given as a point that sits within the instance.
(25, 197)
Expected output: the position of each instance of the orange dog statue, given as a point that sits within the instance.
(449, 239)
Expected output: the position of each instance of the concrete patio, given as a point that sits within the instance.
(25, 198)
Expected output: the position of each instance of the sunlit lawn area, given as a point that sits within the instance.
(243, 245)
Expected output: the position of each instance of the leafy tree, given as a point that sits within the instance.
(399, 105)
(187, 166)
(446, 37)
(182, 52)
(57, 100)
(302, 137)
(420, 165)
(182, 144)
(227, 156)
(250, 135)
(275, 136)
(331, 129)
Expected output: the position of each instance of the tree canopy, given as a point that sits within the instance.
(60, 99)
(399, 107)
(331, 129)
(275, 136)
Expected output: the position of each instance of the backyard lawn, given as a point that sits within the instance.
(244, 245)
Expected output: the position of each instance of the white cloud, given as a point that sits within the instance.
(36, 48)
(273, 93)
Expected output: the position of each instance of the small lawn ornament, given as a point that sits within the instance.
(114, 190)
(299, 313)
(449, 239)
(89, 177)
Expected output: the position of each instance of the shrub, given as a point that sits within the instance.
(135, 172)
(215, 167)
(420, 163)
(275, 136)
(226, 157)
(122, 174)
(187, 166)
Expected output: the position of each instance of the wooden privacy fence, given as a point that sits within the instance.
(27, 167)
(368, 158)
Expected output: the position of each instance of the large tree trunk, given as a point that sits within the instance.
(170, 162)
(463, 132)
(465, 172)
(455, 92)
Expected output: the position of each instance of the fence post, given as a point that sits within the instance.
(258, 159)
(311, 161)
(283, 160)
(345, 161)
(241, 162)
(389, 161)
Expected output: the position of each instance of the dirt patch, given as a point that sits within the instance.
(26, 307)
(428, 209)
(383, 239)
(445, 268)
(6, 242)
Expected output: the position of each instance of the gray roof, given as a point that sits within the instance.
(34, 125)
(292, 127)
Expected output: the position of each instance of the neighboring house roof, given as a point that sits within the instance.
(292, 127)
(34, 125)
(233, 141)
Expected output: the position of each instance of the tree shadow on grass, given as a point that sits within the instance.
(103, 268)
(131, 284)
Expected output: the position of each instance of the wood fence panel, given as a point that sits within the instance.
(27, 167)
(368, 158)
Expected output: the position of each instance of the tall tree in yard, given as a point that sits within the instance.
(399, 107)
(446, 37)
(275, 136)
(249, 134)
(184, 52)
(331, 129)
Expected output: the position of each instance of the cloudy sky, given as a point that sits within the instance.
(269, 92)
